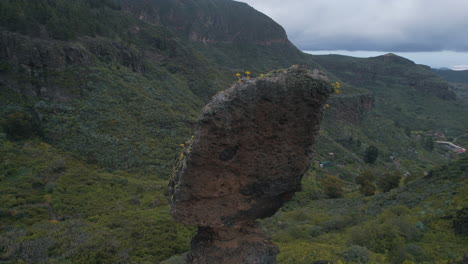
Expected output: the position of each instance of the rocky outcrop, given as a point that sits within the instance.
(247, 157)
(350, 108)
(33, 64)
(19, 49)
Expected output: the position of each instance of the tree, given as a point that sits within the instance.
(333, 186)
(19, 125)
(371, 154)
(428, 144)
(365, 176)
(368, 189)
(389, 181)
(366, 180)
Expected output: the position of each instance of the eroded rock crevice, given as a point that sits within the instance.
(246, 159)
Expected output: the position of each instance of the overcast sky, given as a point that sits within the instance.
(373, 25)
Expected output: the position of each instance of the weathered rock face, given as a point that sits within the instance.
(37, 61)
(247, 157)
(351, 108)
(205, 21)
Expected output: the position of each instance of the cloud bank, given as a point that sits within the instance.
(374, 25)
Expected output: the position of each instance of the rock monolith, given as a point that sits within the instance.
(247, 157)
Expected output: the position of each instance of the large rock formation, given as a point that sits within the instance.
(247, 157)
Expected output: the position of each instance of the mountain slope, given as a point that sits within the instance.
(406, 93)
(458, 80)
(421, 222)
(453, 76)
(148, 58)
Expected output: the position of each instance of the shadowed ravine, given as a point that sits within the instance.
(247, 157)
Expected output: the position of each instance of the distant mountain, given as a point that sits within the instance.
(452, 76)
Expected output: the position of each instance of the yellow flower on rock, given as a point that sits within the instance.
(238, 76)
(337, 85)
(248, 74)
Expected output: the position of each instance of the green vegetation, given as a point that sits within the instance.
(62, 19)
(366, 181)
(371, 154)
(453, 76)
(428, 144)
(19, 125)
(414, 223)
(56, 208)
(333, 186)
(389, 181)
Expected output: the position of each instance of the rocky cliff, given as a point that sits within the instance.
(208, 21)
(350, 108)
(251, 148)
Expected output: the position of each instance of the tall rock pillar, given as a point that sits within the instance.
(247, 157)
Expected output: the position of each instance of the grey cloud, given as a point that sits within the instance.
(380, 25)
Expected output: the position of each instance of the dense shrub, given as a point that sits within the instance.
(377, 237)
(19, 125)
(371, 154)
(409, 252)
(365, 176)
(389, 232)
(357, 253)
(389, 181)
(368, 189)
(340, 222)
(366, 180)
(333, 186)
(315, 231)
(428, 144)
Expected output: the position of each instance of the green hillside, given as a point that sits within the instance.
(423, 221)
(97, 96)
(458, 80)
(453, 76)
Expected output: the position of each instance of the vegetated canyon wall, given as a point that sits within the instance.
(246, 159)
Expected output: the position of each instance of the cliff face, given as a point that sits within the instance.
(36, 59)
(33, 64)
(247, 157)
(350, 108)
(230, 33)
(208, 21)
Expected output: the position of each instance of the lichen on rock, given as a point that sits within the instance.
(247, 157)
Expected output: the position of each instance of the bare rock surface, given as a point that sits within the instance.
(246, 159)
